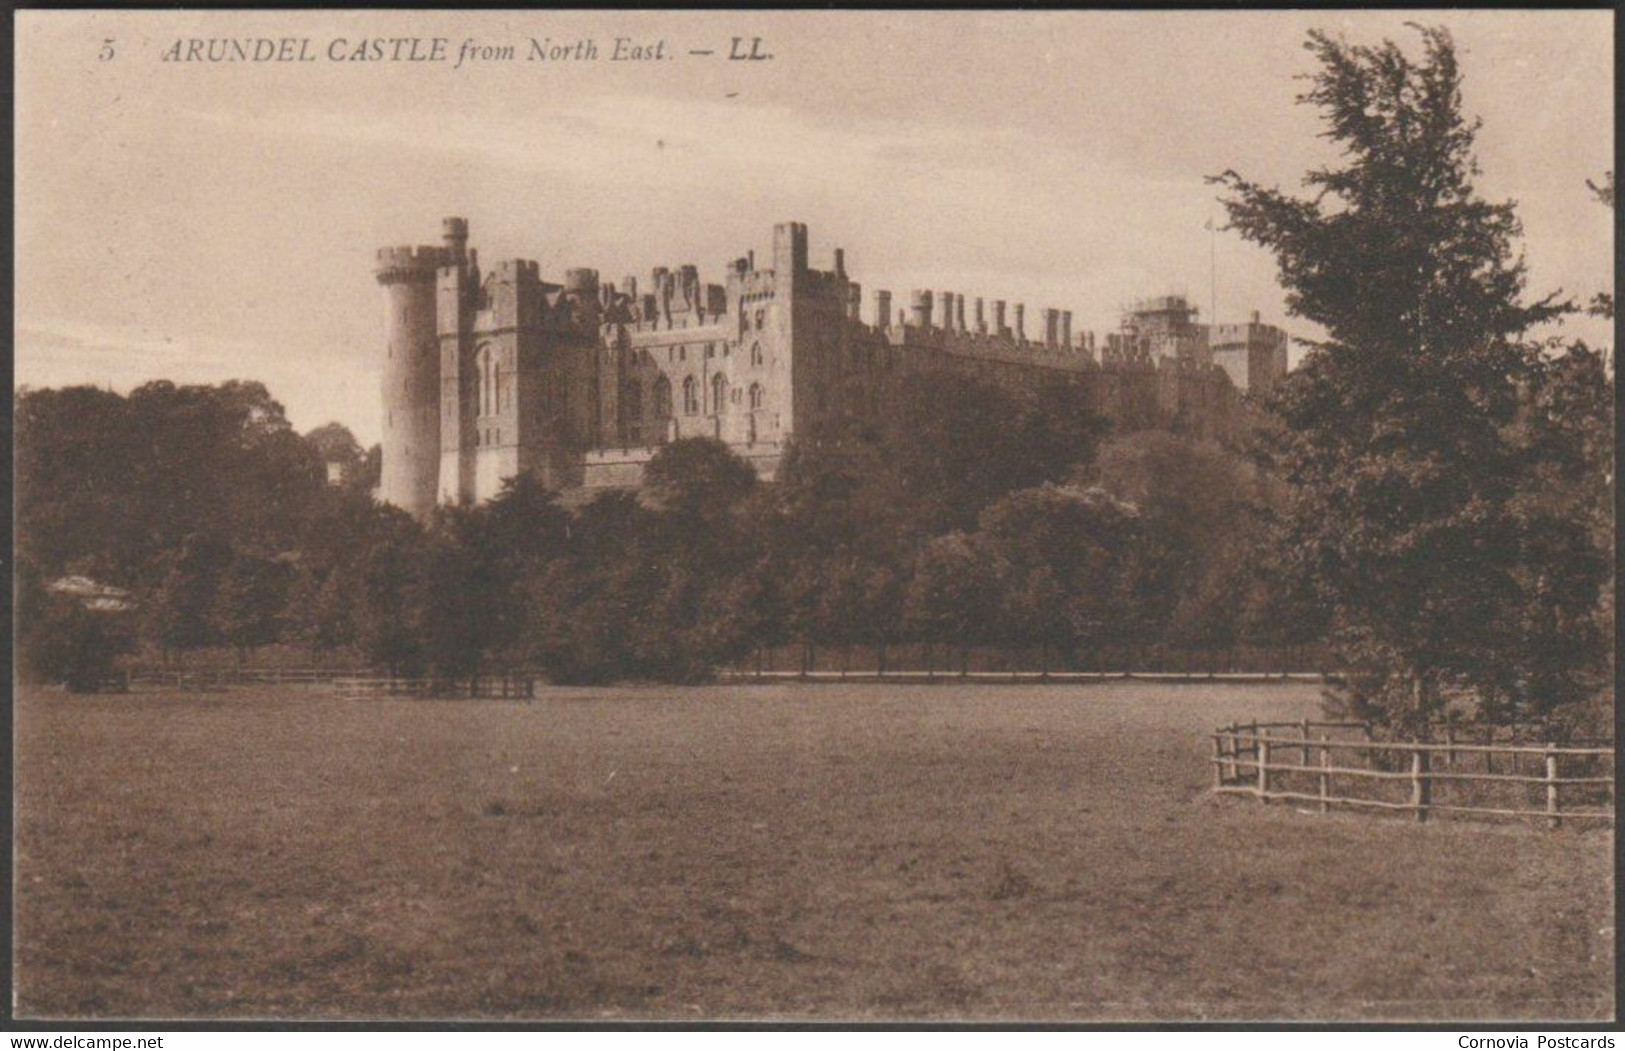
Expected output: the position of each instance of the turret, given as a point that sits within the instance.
(790, 249)
(411, 383)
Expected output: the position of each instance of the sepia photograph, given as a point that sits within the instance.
(814, 517)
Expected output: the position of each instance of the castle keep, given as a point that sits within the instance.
(578, 382)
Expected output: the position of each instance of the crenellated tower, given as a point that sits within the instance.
(411, 385)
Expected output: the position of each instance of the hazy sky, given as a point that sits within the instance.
(204, 222)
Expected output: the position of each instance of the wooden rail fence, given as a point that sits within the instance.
(1304, 762)
(910, 675)
(484, 687)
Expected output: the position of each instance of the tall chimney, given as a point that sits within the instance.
(882, 308)
(1052, 325)
(981, 318)
(999, 327)
(920, 307)
(1021, 322)
(947, 307)
(1066, 329)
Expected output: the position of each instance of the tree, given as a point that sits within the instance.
(698, 478)
(1067, 561)
(335, 444)
(248, 608)
(951, 596)
(388, 595)
(178, 613)
(1399, 435)
(73, 645)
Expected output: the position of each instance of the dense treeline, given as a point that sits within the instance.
(966, 516)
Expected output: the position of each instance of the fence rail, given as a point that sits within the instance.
(484, 687)
(911, 675)
(1571, 781)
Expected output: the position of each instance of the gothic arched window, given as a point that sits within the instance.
(485, 374)
(719, 392)
(755, 396)
(691, 397)
(662, 398)
(755, 353)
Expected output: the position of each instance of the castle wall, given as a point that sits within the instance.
(580, 382)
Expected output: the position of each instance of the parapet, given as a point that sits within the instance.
(582, 280)
(405, 263)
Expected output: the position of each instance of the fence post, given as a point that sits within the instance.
(1218, 759)
(1263, 745)
(1325, 776)
(1231, 745)
(1421, 784)
(1489, 757)
(1551, 787)
(1303, 732)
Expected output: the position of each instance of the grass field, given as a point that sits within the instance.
(828, 852)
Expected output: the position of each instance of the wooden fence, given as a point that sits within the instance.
(218, 678)
(484, 687)
(1342, 764)
(908, 675)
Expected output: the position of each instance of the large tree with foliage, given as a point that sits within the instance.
(1402, 439)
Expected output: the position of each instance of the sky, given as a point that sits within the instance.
(202, 221)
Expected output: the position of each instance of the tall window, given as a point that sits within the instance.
(485, 372)
(719, 392)
(662, 398)
(691, 397)
(755, 396)
(755, 353)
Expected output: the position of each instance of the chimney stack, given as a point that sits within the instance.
(920, 307)
(1021, 322)
(882, 308)
(981, 318)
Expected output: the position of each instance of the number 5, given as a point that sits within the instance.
(106, 53)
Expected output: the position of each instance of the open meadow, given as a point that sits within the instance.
(799, 852)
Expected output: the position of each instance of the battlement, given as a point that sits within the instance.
(515, 271)
(586, 377)
(408, 263)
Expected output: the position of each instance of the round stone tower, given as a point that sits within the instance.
(411, 444)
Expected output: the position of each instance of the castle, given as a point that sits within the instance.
(489, 375)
